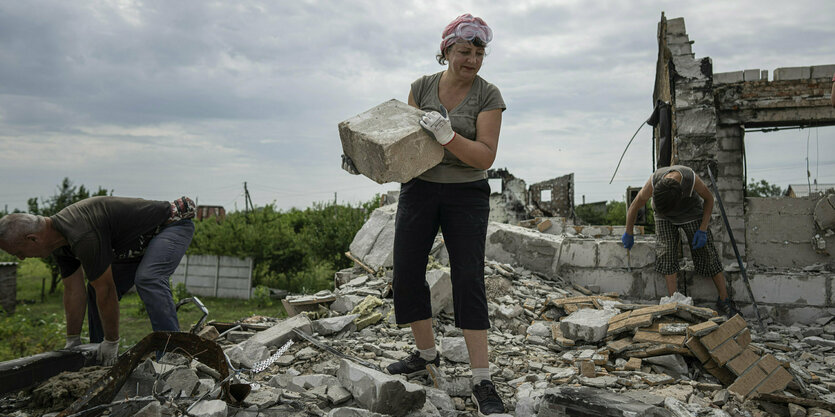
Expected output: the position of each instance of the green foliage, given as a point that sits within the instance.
(26, 333)
(180, 292)
(66, 194)
(762, 189)
(261, 296)
(296, 250)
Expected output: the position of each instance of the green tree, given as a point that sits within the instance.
(65, 195)
(762, 189)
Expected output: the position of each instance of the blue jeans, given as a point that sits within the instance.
(150, 274)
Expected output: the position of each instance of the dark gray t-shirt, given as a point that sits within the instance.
(104, 230)
(482, 96)
(691, 206)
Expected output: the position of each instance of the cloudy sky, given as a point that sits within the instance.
(158, 99)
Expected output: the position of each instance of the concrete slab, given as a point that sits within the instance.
(579, 253)
(792, 73)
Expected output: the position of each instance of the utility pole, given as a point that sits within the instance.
(334, 198)
(247, 201)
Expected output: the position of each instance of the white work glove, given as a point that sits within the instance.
(108, 352)
(438, 125)
(348, 165)
(73, 340)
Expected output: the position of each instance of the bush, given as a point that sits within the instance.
(296, 250)
(261, 296)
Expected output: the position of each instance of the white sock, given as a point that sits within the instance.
(428, 354)
(480, 374)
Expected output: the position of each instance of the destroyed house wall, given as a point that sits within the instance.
(711, 112)
(552, 198)
(507, 205)
(781, 232)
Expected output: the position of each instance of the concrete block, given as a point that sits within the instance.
(799, 289)
(792, 73)
(387, 143)
(578, 252)
(676, 26)
(379, 392)
(728, 77)
(693, 97)
(692, 69)
(683, 48)
(822, 71)
(751, 75)
(618, 280)
(698, 121)
(611, 254)
(440, 289)
(587, 324)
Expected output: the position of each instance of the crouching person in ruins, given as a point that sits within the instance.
(116, 243)
(681, 201)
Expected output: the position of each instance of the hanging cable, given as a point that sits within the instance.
(624, 151)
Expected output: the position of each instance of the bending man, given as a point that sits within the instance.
(117, 243)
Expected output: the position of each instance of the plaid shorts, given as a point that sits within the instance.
(705, 260)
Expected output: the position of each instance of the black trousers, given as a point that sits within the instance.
(461, 212)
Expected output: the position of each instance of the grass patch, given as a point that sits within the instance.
(39, 325)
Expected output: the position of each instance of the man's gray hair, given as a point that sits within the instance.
(15, 226)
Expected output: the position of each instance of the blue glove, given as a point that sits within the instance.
(628, 240)
(699, 239)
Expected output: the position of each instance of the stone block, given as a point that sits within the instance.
(725, 352)
(379, 392)
(800, 289)
(728, 77)
(182, 382)
(741, 363)
(279, 334)
(387, 143)
(608, 280)
(703, 328)
(698, 349)
(587, 324)
(822, 71)
(751, 75)
(440, 290)
(792, 73)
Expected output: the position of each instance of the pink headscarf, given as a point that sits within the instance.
(465, 27)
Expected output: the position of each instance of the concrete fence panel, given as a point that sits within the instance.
(215, 276)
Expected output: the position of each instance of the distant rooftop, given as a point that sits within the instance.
(803, 190)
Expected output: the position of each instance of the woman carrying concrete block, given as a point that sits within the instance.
(464, 114)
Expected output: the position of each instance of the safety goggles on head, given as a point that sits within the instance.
(469, 31)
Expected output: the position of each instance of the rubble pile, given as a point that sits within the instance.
(555, 348)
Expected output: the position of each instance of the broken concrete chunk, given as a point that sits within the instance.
(352, 412)
(279, 334)
(387, 143)
(332, 325)
(440, 290)
(209, 332)
(155, 409)
(587, 324)
(379, 392)
(182, 382)
(677, 297)
(263, 398)
(455, 349)
(672, 365)
(210, 408)
(337, 394)
(583, 401)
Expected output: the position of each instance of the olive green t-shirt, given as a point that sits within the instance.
(482, 96)
(104, 230)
